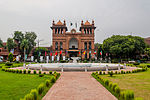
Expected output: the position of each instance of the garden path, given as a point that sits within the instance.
(78, 86)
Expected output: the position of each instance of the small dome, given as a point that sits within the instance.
(59, 23)
(87, 23)
(73, 31)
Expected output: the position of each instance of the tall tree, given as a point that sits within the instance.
(10, 44)
(24, 46)
(1, 43)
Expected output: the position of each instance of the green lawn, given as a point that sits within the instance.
(14, 86)
(138, 82)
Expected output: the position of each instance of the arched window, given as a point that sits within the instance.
(89, 45)
(56, 45)
(61, 45)
(85, 45)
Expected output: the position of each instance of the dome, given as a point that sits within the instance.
(87, 23)
(59, 23)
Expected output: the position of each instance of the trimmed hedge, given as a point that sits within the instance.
(40, 88)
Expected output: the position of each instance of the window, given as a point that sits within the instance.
(89, 45)
(0, 50)
(85, 45)
(56, 45)
(61, 45)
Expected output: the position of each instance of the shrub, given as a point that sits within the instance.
(39, 72)
(24, 71)
(17, 71)
(10, 57)
(53, 79)
(34, 71)
(107, 82)
(44, 72)
(127, 95)
(40, 88)
(8, 64)
(100, 72)
(104, 73)
(34, 94)
(14, 71)
(132, 71)
(111, 73)
(119, 73)
(122, 72)
(117, 90)
(3, 69)
(20, 71)
(28, 97)
(41, 75)
(113, 86)
(110, 85)
(148, 66)
(29, 71)
(116, 72)
(47, 82)
(129, 71)
(136, 64)
(50, 72)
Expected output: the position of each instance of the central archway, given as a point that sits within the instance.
(73, 43)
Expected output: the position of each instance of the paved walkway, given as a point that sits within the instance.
(77, 86)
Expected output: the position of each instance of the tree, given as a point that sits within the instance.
(21, 39)
(10, 57)
(10, 44)
(1, 43)
(124, 46)
(39, 51)
(24, 46)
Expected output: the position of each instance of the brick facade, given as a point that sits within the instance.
(73, 43)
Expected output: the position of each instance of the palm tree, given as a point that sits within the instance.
(24, 45)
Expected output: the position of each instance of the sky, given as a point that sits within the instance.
(112, 17)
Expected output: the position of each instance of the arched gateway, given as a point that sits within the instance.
(73, 43)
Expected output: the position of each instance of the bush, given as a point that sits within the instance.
(34, 94)
(53, 79)
(24, 71)
(111, 73)
(62, 61)
(34, 71)
(17, 71)
(50, 72)
(28, 97)
(85, 61)
(40, 88)
(104, 73)
(41, 75)
(8, 64)
(113, 86)
(10, 57)
(106, 82)
(129, 71)
(127, 95)
(44, 72)
(136, 63)
(138, 98)
(29, 71)
(20, 71)
(116, 72)
(122, 72)
(47, 82)
(117, 90)
(3, 69)
(148, 66)
(39, 72)
(110, 85)
(119, 73)
(100, 72)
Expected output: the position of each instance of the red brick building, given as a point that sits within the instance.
(73, 43)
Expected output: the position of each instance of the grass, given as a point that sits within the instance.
(138, 82)
(15, 86)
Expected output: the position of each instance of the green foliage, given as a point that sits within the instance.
(124, 46)
(8, 64)
(34, 93)
(10, 57)
(24, 71)
(138, 98)
(50, 72)
(1, 43)
(10, 44)
(106, 82)
(136, 63)
(34, 71)
(113, 86)
(29, 71)
(40, 88)
(47, 82)
(127, 95)
(41, 75)
(39, 72)
(117, 90)
(53, 79)
(28, 97)
(111, 73)
(20, 71)
(104, 73)
(100, 72)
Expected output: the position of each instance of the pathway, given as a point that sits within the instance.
(78, 86)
